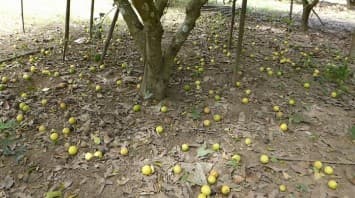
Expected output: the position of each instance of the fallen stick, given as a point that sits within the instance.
(24, 54)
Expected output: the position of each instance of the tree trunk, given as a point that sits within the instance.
(22, 18)
(291, 10)
(351, 4)
(153, 82)
(146, 29)
(240, 39)
(91, 17)
(307, 8)
(305, 17)
(66, 31)
(352, 46)
(232, 25)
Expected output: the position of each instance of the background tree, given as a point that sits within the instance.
(22, 18)
(240, 39)
(147, 31)
(307, 8)
(351, 4)
(232, 25)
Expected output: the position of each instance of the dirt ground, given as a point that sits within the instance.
(318, 124)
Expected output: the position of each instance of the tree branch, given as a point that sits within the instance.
(134, 25)
(161, 5)
(193, 12)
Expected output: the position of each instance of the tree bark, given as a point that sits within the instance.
(22, 18)
(307, 8)
(351, 4)
(66, 31)
(147, 32)
(232, 25)
(240, 39)
(109, 35)
(291, 11)
(91, 17)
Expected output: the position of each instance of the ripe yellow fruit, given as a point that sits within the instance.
(201, 195)
(72, 120)
(4, 79)
(247, 91)
(245, 100)
(207, 110)
(24, 95)
(62, 105)
(291, 102)
(225, 190)
(216, 147)
(26, 76)
(261, 69)
(217, 118)
(177, 169)
(119, 82)
(270, 72)
(328, 170)
(276, 108)
(21, 105)
(332, 184)
(73, 150)
(164, 109)
(264, 159)
(318, 165)
(159, 129)
(206, 190)
(185, 147)
(136, 108)
(54, 137)
(282, 188)
(206, 123)
(33, 69)
(211, 179)
(247, 141)
(41, 128)
(236, 158)
(238, 84)
(147, 170)
(98, 88)
(26, 108)
(66, 131)
(89, 156)
(217, 98)
(44, 102)
(124, 151)
(19, 117)
(306, 85)
(334, 94)
(213, 172)
(98, 154)
(283, 127)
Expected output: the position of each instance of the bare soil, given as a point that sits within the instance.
(318, 124)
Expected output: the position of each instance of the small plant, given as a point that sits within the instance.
(8, 141)
(337, 73)
(352, 132)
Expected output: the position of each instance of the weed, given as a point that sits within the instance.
(8, 141)
(352, 132)
(337, 73)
